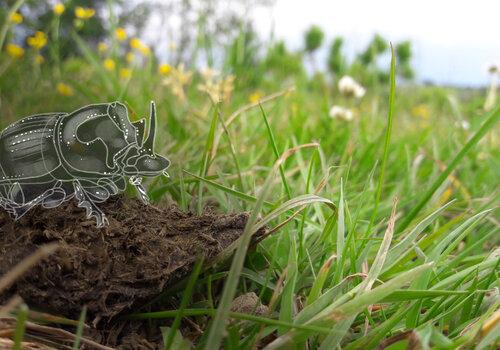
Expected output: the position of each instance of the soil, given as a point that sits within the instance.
(112, 270)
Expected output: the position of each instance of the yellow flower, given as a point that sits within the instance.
(59, 9)
(38, 40)
(125, 73)
(16, 18)
(421, 111)
(135, 43)
(130, 57)
(84, 12)
(109, 64)
(120, 34)
(39, 59)
(14, 50)
(65, 90)
(255, 97)
(146, 51)
(102, 47)
(164, 69)
(138, 45)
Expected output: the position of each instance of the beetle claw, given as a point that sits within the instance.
(102, 220)
(90, 208)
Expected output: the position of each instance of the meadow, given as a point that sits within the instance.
(381, 214)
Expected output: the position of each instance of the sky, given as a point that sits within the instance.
(454, 42)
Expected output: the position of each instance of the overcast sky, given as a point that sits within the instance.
(454, 40)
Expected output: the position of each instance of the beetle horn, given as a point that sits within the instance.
(139, 126)
(149, 143)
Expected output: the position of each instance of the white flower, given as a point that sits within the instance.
(464, 124)
(339, 112)
(350, 87)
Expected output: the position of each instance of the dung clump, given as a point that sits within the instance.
(111, 270)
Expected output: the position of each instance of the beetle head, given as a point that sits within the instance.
(141, 160)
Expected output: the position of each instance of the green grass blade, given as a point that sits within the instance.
(491, 119)
(272, 140)
(218, 323)
(341, 328)
(206, 160)
(79, 328)
(22, 317)
(186, 297)
(339, 267)
(320, 280)
(387, 141)
(237, 194)
(235, 315)
(398, 251)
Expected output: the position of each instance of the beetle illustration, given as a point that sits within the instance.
(48, 159)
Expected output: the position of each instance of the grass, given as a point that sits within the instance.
(345, 267)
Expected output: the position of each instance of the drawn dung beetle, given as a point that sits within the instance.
(48, 159)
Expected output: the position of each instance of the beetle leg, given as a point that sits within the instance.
(84, 201)
(142, 194)
(96, 192)
(7, 205)
(137, 182)
(57, 196)
(18, 210)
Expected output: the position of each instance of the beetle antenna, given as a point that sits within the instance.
(149, 143)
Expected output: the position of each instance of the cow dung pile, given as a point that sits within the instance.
(113, 270)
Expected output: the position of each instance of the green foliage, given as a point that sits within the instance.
(242, 58)
(313, 39)
(281, 63)
(367, 62)
(404, 52)
(336, 61)
(379, 44)
(375, 48)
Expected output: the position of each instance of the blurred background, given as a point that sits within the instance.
(322, 65)
(449, 43)
(190, 55)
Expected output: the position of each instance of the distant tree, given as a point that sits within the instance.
(281, 63)
(366, 64)
(201, 29)
(404, 55)
(377, 46)
(336, 60)
(313, 39)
